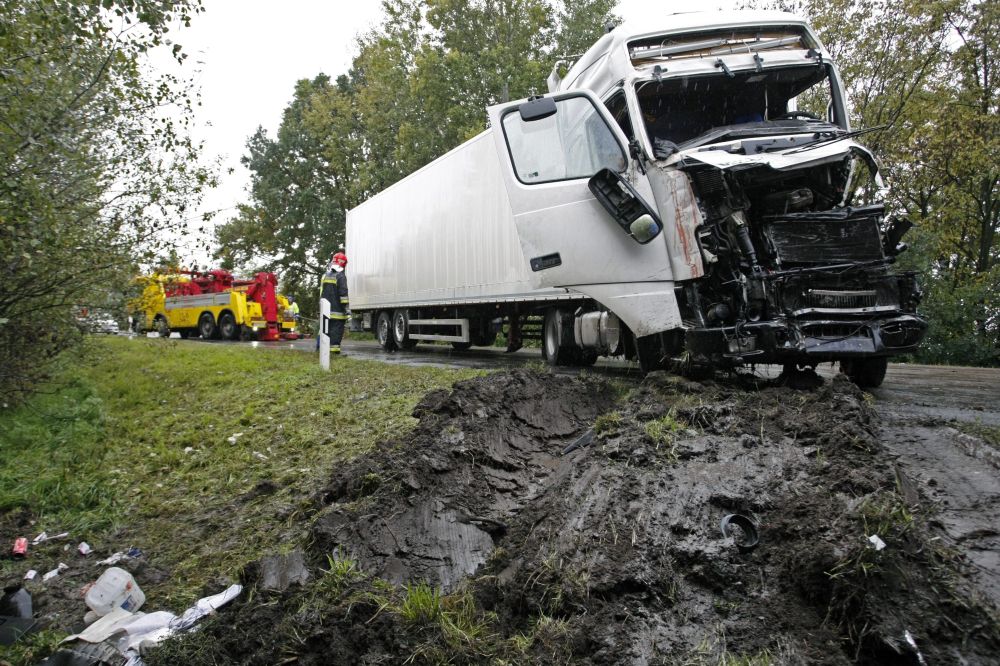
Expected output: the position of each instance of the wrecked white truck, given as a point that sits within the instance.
(693, 191)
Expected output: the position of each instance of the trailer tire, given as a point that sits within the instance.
(866, 372)
(161, 326)
(553, 350)
(227, 327)
(461, 346)
(383, 331)
(401, 330)
(206, 326)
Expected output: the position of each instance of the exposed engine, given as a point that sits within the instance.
(797, 267)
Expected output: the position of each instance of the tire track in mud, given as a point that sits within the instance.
(613, 553)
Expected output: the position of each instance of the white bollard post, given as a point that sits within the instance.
(324, 333)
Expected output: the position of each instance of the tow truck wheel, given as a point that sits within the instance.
(227, 326)
(162, 328)
(206, 326)
(383, 331)
(866, 372)
(401, 330)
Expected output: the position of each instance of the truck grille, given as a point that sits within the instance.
(825, 298)
(829, 238)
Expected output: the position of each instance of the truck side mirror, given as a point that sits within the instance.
(620, 199)
(537, 109)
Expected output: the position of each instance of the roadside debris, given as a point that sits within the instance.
(15, 615)
(121, 556)
(55, 572)
(120, 637)
(116, 588)
(20, 548)
(742, 530)
(876, 542)
(31, 574)
(45, 537)
(84, 548)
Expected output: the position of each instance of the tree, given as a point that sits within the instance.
(92, 169)
(296, 218)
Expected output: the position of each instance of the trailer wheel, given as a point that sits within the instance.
(206, 326)
(227, 326)
(162, 328)
(553, 350)
(383, 331)
(461, 346)
(866, 372)
(401, 330)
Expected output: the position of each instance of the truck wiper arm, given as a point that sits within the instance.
(839, 137)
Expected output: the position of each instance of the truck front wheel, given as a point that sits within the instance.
(383, 331)
(865, 372)
(206, 326)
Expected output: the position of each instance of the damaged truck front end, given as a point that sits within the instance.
(794, 251)
(789, 279)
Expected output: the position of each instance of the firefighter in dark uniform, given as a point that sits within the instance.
(334, 289)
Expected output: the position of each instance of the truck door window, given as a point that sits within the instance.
(619, 111)
(575, 142)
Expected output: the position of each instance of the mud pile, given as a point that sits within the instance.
(476, 539)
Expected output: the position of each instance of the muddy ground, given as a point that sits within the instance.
(476, 539)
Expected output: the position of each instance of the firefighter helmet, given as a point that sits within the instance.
(340, 259)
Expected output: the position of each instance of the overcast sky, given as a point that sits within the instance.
(248, 54)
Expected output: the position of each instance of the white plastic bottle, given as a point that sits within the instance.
(115, 589)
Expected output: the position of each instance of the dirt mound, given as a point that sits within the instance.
(476, 539)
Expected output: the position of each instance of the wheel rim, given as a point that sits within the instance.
(206, 327)
(227, 327)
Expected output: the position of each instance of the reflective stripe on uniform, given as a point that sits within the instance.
(334, 315)
(344, 300)
(329, 281)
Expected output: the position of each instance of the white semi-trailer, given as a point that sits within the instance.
(688, 191)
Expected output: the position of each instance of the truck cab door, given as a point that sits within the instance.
(549, 148)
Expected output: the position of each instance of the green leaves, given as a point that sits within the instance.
(91, 172)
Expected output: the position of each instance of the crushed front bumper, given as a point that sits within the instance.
(807, 341)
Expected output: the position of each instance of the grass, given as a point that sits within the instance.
(664, 431)
(990, 435)
(202, 455)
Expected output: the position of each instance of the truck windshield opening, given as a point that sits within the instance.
(681, 110)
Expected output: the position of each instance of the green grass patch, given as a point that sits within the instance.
(204, 456)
